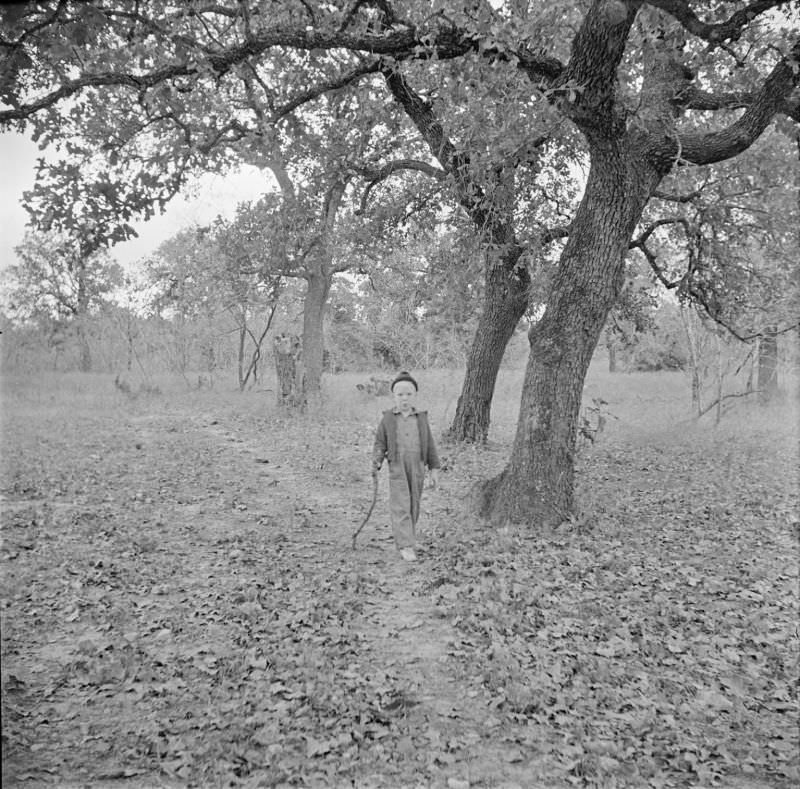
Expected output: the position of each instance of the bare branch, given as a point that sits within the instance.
(685, 198)
(719, 32)
(376, 176)
(722, 399)
(318, 90)
(553, 233)
(650, 229)
(701, 100)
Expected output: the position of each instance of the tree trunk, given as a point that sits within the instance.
(537, 485)
(611, 347)
(81, 316)
(317, 290)
(240, 356)
(287, 355)
(504, 303)
(129, 337)
(768, 366)
(694, 357)
(85, 362)
(719, 377)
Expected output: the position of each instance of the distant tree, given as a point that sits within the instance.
(632, 315)
(209, 272)
(57, 280)
(730, 246)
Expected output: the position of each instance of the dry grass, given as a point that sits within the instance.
(638, 405)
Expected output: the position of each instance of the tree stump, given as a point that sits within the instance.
(289, 369)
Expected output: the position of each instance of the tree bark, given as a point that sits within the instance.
(318, 286)
(81, 316)
(504, 304)
(85, 362)
(768, 366)
(287, 354)
(694, 357)
(319, 278)
(719, 377)
(611, 347)
(240, 355)
(536, 487)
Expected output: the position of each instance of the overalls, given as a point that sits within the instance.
(406, 479)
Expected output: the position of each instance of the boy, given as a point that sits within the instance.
(404, 438)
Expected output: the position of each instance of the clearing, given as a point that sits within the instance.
(182, 607)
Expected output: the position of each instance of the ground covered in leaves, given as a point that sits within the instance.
(182, 606)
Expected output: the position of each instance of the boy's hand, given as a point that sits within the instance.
(434, 477)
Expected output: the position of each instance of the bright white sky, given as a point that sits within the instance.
(210, 196)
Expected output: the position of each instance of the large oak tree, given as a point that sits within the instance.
(651, 87)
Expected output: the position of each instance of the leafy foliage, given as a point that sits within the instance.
(56, 279)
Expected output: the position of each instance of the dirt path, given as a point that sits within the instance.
(455, 737)
(184, 608)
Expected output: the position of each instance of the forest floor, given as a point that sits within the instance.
(181, 605)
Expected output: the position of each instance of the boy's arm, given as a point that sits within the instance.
(379, 448)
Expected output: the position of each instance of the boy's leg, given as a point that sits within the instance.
(416, 483)
(400, 501)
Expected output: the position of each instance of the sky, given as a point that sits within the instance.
(201, 201)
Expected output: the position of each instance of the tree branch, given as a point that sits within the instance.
(553, 233)
(376, 176)
(318, 90)
(719, 32)
(713, 147)
(469, 194)
(685, 198)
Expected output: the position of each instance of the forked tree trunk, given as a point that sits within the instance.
(536, 487)
(504, 304)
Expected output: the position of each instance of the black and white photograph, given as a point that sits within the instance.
(400, 394)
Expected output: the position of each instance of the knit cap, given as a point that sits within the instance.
(405, 376)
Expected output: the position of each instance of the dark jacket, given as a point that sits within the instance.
(386, 440)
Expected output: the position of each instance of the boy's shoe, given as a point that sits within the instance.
(408, 554)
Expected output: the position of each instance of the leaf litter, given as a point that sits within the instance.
(181, 608)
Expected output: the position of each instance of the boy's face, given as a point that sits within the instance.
(404, 395)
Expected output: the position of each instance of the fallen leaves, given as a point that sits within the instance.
(195, 619)
(650, 642)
